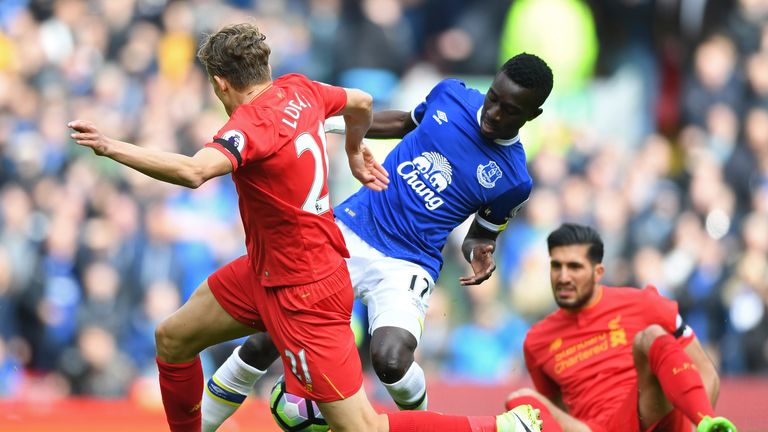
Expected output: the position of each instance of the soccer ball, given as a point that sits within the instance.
(294, 413)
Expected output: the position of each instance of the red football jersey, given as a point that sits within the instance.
(277, 146)
(587, 355)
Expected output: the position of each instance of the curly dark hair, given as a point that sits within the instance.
(238, 54)
(531, 72)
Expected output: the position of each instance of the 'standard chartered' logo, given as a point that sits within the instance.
(427, 175)
(488, 174)
(236, 138)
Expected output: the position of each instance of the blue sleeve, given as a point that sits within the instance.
(494, 215)
(418, 113)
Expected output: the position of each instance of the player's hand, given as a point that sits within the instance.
(87, 134)
(369, 172)
(482, 264)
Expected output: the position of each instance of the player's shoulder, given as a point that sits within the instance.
(292, 78)
(544, 327)
(454, 86)
(633, 295)
(295, 81)
(249, 114)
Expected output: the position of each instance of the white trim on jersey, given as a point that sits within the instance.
(488, 225)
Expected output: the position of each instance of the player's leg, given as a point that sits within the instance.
(230, 384)
(551, 415)
(215, 312)
(355, 414)
(392, 357)
(310, 327)
(198, 324)
(667, 379)
(396, 293)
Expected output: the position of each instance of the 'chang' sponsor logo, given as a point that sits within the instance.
(427, 175)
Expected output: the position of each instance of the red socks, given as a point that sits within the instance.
(428, 421)
(181, 386)
(679, 378)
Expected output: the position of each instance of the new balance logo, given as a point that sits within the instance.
(440, 117)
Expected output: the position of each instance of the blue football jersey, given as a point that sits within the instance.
(440, 174)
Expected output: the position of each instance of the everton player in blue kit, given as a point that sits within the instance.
(460, 155)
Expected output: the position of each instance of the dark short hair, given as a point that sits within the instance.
(237, 53)
(531, 72)
(574, 234)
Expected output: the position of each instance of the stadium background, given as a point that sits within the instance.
(656, 134)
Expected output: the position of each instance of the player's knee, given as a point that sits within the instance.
(170, 346)
(391, 360)
(259, 351)
(644, 338)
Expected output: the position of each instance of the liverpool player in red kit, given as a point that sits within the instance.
(614, 359)
(293, 282)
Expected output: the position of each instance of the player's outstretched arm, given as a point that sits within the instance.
(165, 166)
(390, 124)
(357, 116)
(478, 247)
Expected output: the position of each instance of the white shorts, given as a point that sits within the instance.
(395, 291)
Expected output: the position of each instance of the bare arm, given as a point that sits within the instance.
(477, 248)
(169, 167)
(358, 116)
(706, 369)
(391, 124)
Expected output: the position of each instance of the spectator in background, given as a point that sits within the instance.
(715, 79)
(94, 366)
(137, 338)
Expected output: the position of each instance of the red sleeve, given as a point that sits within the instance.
(541, 381)
(335, 98)
(249, 135)
(666, 314)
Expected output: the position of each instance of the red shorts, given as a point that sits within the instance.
(627, 418)
(309, 324)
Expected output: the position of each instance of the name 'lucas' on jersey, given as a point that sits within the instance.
(440, 173)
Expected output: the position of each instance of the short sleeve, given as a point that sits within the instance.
(666, 314)
(249, 135)
(418, 113)
(334, 98)
(494, 215)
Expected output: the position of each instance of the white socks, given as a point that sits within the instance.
(410, 393)
(226, 390)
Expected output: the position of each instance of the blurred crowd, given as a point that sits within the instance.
(656, 134)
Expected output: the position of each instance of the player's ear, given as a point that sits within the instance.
(221, 84)
(599, 271)
(536, 113)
